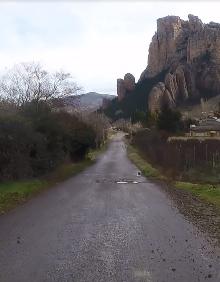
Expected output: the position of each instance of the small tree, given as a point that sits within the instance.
(100, 124)
(169, 120)
(151, 119)
(139, 116)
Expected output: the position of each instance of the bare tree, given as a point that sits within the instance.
(100, 124)
(26, 82)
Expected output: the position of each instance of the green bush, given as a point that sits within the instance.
(16, 143)
(170, 120)
(35, 140)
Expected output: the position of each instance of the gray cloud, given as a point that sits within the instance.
(97, 42)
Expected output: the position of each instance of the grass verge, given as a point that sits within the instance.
(142, 164)
(14, 193)
(206, 192)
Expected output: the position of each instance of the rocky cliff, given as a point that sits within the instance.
(189, 53)
(185, 56)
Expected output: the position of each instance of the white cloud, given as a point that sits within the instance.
(97, 42)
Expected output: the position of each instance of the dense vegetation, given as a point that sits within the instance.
(170, 120)
(35, 142)
(35, 136)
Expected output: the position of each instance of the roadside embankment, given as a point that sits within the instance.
(16, 192)
(200, 203)
(205, 191)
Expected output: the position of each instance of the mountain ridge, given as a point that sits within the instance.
(90, 101)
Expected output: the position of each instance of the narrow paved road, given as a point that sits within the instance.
(91, 228)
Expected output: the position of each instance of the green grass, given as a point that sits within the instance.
(207, 192)
(93, 154)
(65, 171)
(142, 164)
(202, 175)
(14, 193)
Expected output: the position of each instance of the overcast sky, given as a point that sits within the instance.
(97, 42)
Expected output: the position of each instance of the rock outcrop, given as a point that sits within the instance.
(125, 85)
(156, 97)
(120, 89)
(129, 82)
(189, 54)
(160, 96)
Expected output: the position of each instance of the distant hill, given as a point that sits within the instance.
(90, 101)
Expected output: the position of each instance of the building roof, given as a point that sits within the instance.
(207, 125)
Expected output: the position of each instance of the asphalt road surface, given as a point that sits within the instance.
(91, 228)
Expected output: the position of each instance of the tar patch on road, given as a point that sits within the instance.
(127, 182)
(119, 181)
